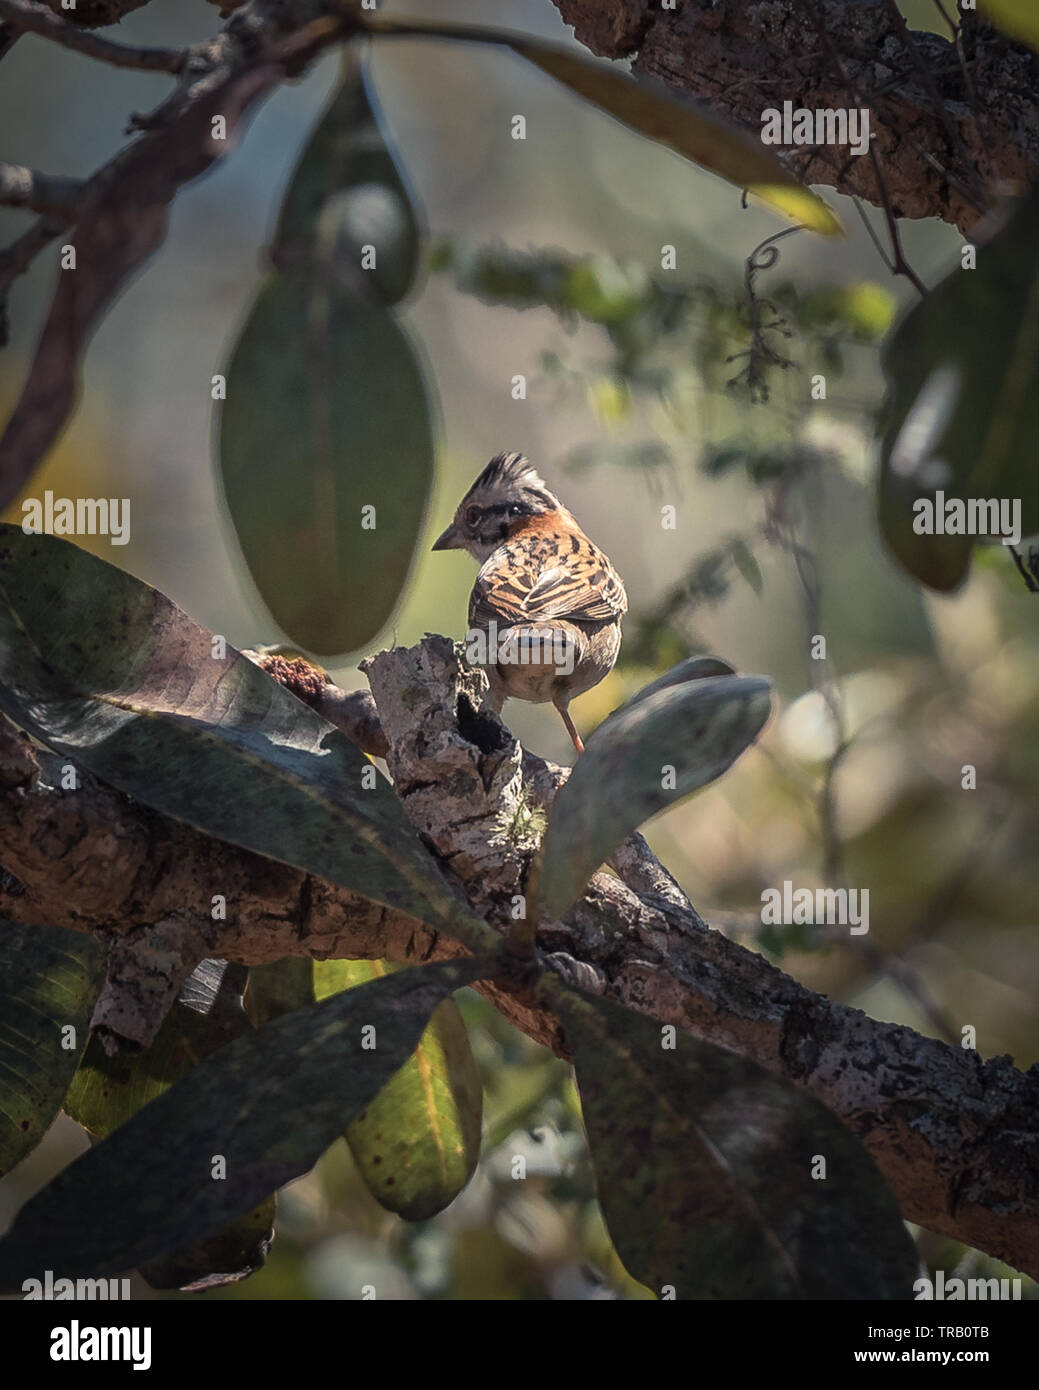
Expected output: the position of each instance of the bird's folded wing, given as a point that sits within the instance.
(509, 589)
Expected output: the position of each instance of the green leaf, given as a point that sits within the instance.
(697, 728)
(278, 988)
(653, 110)
(693, 668)
(49, 980)
(418, 1142)
(107, 1091)
(348, 191)
(864, 309)
(704, 1165)
(234, 1253)
(267, 1104)
(325, 437)
(1018, 18)
(107, 670)
(602, 290)
(326, 415)
(746, 562)
(962, 410)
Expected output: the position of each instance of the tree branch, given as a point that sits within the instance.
(124, 213)
(16, 259)
(38, 19)
(978, 105)
(954, 1135)
(48, 193)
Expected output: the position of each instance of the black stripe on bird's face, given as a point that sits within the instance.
(506, 490)
(491, 520)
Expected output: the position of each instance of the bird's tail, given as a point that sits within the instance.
(556, 646)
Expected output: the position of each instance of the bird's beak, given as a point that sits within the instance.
(449, 540)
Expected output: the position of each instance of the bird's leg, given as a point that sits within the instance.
(560, 701)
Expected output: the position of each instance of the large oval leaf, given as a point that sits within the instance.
(962, 411)
(108, 670)
(418, 1142)
(718, 1179)
(693, 668)
(326, 457)
(349, 185)
(267, 1105)
(654, 110)
(660, 747)
(49, 982)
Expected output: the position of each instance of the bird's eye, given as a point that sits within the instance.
(472, 515)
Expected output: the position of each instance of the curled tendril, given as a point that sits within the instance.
(761, 354)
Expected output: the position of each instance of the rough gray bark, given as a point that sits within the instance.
(955, 1136)
(939, 159)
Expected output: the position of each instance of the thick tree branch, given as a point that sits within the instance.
(955, 1136)
(954, 121)
(89, 859)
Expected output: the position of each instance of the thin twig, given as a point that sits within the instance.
(878, 244)
(952, 179)
(937, 100)
(900, 266)
(35, 18)
(991, 173)
(908, 980)
(954, 28)
(21, 187)
(1030, 572)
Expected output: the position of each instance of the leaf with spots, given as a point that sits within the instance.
(719, 1180)
(418, 1142)
(49, 982)
(261, 1110)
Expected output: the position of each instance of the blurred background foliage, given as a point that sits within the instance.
(646, 388)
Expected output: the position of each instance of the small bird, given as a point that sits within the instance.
(547, 604)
